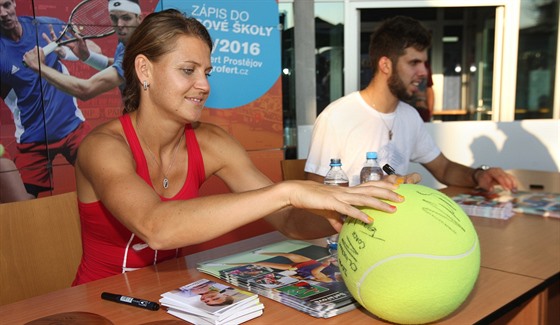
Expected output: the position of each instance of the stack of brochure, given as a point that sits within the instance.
(208, 302)
(295, 273)
(485, 206)
(537, 203)
(502, 204)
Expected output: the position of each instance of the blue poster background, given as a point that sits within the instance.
(246, 54)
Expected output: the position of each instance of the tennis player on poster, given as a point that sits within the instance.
(42, 113)
(89, 19)
(125, 15)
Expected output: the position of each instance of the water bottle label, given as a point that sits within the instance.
(373, 177)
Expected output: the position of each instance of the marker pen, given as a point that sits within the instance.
(389, 170)
(130, 301)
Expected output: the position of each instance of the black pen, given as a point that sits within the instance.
(130, 301)
(389, 170)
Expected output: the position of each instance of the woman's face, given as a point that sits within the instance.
(179, 85)
(213, 298)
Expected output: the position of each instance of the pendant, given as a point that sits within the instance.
(165, 182)
(390, 135)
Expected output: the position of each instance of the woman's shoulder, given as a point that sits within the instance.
(214, 140)
(108, 134)
(205, 130)
(104, 148)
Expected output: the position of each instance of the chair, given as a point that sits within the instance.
(537, 180)
(40, 246)
(293, 169)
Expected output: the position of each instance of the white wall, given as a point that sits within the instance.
(527, 144)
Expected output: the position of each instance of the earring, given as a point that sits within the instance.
(145, 85)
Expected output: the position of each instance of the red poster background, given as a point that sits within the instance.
(257, 125)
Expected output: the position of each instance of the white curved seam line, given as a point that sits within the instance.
(436, 257)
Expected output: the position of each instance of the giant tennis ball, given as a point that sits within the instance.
(414, 266)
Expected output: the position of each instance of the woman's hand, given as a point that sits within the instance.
(344, 201)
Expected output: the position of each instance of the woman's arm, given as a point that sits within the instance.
(106, 170)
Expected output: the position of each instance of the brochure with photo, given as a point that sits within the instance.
(199, 320)
(212, 302)
(295, 273)
(503, 204)
(483, 206)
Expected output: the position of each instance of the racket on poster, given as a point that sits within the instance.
(89, 19)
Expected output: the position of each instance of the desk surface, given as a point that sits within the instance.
(524, 244)
(519, 256)
(493, 290)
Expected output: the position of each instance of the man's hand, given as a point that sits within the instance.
(487, 179)
(33, 58)
(79, 47)
(413, 178)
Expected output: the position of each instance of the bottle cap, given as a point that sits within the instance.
(371, 155)
(335, 162)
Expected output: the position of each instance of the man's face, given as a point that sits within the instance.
(408, 73)
(125, 22)
(8, 18)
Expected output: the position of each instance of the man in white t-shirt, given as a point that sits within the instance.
(377, 119)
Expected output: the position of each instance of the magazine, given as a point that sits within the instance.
(485, 205)
(503, 204)
(211, 302)
(295, 273)
(539, 203)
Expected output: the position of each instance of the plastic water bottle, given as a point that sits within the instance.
(371, 170)
(336, 177)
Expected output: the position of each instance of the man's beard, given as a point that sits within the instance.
(397, 88)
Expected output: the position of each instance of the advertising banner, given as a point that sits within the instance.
(42, 123)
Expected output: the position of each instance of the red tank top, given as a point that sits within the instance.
(109, 247)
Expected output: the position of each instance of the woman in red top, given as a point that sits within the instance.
(138, 176)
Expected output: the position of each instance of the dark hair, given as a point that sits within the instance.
(155, 37)
(393, 36)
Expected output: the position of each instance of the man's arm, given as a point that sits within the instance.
(86, 51)
(450, 173)
(83, 89)
(453, 174)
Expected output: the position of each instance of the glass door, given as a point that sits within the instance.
(466, 56)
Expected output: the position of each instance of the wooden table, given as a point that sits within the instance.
(519, 278)
(524, 244)
(494, 290)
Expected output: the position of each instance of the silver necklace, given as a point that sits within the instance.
(165, 182)
(390, 130)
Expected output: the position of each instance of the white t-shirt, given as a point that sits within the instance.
(349, 127)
